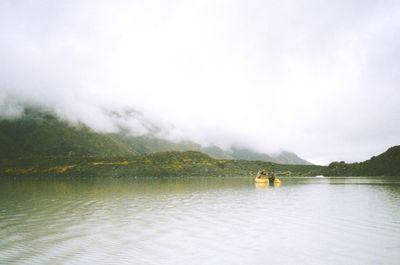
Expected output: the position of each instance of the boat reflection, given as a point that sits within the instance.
(264, 185)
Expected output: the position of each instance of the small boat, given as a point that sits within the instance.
(262, 177)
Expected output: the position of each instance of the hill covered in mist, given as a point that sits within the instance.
(40, 133)
(38, 143)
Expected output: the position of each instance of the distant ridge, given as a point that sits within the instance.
(280, 158)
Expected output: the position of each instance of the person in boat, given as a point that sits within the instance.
(263, 173)
(271, 177)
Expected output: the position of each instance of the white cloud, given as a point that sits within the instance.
(316, 78)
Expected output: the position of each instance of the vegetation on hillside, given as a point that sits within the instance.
(39, 144)
(163, 164)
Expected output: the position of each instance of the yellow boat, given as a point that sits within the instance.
(262, 177)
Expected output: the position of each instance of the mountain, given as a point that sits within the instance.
(286, 157)
(40, 133)
(40, 144)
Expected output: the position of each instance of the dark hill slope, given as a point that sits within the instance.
(38, 134)
(385, 164)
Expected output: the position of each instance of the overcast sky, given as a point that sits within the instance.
(320, 78)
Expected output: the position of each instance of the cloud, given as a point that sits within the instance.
(316, 78)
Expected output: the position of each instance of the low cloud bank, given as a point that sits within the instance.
(319, 80)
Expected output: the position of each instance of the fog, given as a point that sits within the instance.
(317, 78)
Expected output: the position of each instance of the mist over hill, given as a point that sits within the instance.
(38, 143)
(38, 132)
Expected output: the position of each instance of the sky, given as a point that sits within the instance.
(319, 78)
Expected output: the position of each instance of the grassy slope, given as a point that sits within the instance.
(190, 163)
(164, 164)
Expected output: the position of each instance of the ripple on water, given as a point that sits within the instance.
(214, 222)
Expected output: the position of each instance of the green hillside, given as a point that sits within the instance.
(388, 163)
(162, 164)
(39, 143)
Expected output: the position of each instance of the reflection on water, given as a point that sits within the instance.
(200, 221)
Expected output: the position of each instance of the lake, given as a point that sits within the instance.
(200, 221)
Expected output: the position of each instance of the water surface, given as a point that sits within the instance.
(200, 221)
